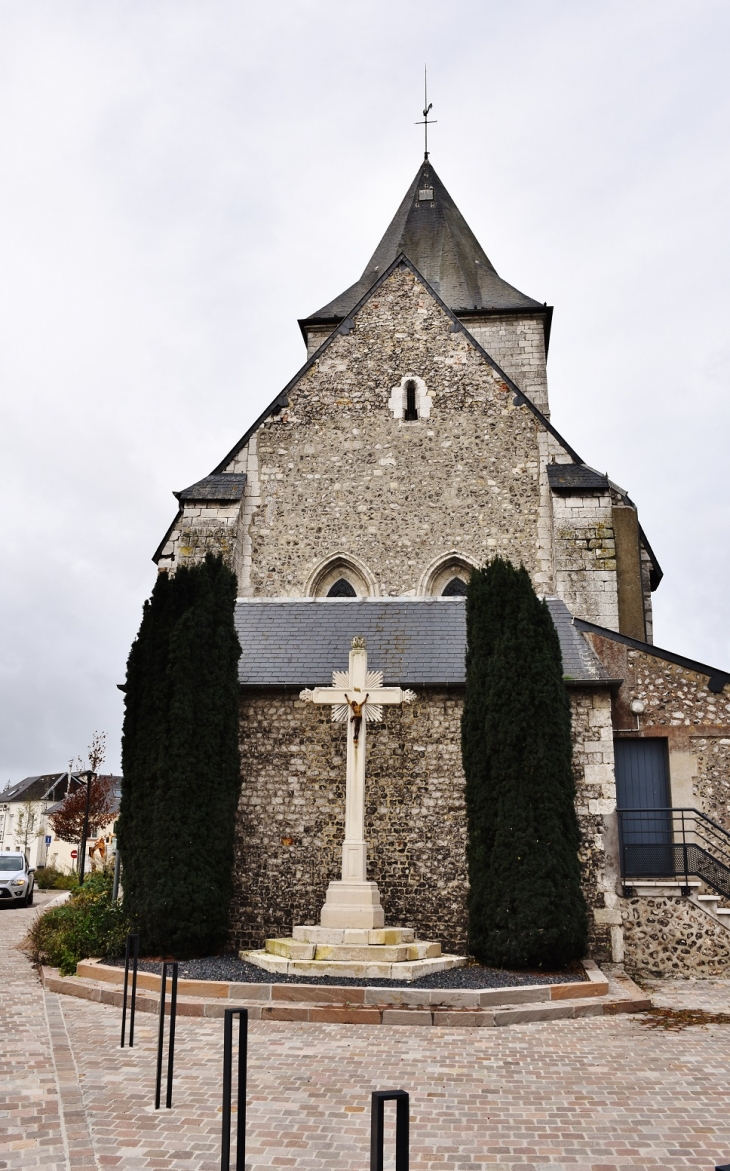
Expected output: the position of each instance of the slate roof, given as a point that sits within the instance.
(42, 787)
(35, 788)
(436, 238)
(224, 487)
(413, 641)
(576, 478)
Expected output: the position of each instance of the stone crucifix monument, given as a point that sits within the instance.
(357, 696)
(352, 939)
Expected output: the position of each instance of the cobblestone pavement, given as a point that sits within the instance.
(709, 995)
(603, 1093)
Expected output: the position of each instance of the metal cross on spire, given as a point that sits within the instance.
(427, 107)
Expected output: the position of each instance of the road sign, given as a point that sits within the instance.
(74, 853)
(48, 840)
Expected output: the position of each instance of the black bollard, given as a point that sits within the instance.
(229, 1014)
(161, 1033)
(380, 1097)
(132, 941)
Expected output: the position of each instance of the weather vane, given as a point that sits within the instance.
(427, 106)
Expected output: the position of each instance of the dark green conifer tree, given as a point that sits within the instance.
(180, 762)
(526, 906)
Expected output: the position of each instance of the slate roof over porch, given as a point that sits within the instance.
(413, 641)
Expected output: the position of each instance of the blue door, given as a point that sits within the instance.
(642, 783)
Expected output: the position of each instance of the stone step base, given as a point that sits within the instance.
(624, 997)
(353, 969)
(292, 949)
(362, 937)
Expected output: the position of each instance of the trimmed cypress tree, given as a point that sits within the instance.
(180, 762)
(526, 905)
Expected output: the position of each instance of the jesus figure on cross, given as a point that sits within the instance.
(356, 696)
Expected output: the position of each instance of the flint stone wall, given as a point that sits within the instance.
(673, 937)
(291, 820)
(291, 815)
(681, 708)
(338, 472)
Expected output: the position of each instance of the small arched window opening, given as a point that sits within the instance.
(341, 589)
(456, 588)
(411, 411)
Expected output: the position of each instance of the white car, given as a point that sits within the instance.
(17, 882)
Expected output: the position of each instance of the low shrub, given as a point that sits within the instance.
(89, 924)
(51, 878)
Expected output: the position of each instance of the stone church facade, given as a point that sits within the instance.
(414, 444)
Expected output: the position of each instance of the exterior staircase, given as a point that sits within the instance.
(711, 904)
(675, 850)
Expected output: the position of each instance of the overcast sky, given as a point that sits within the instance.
(180, 181)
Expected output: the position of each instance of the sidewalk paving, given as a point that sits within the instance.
(602, 1094)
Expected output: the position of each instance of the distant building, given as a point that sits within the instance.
(24, 825)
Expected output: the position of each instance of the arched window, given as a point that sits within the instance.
(341, 575)
(447, 576)
(341, 589)
(411, 411)
(456, 588)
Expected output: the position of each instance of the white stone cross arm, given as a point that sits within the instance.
(342, 694)
(357, 691)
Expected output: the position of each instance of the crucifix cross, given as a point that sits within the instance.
(358, 697)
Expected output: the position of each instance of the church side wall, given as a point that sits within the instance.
(291, 815)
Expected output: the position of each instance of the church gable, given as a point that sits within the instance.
(400, 445)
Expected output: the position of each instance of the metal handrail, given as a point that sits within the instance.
(677, 840)
(681, 809)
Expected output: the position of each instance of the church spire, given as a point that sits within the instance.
(429, 228)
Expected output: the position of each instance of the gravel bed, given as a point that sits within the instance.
(230, 968)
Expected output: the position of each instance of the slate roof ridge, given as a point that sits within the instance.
(717, 678)
(354, 601)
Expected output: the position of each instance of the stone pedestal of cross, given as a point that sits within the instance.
(356, 696)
